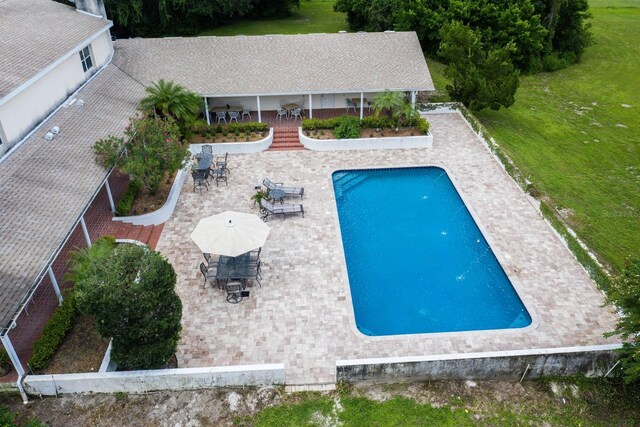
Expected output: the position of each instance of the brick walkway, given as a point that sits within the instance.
(302, 315)
(98, 219)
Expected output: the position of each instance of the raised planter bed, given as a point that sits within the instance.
(164, 213)
(383, 143)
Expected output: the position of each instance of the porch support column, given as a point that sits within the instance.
(15, 361)
(310, 106)
(109, 195)
(206, 110)
(259, 113)
(54, 282)
(361, 105)
(413, 99)
(85, 231)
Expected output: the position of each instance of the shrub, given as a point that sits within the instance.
(624, 294)
(54, 333)
(4, 357)
(347, 127)
(132, 295)
(150, 150)
(378, 122)
(124, 205)
(422, 125)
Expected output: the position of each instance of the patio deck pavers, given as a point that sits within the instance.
(302, 314)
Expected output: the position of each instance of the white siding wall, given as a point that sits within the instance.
(24, 111)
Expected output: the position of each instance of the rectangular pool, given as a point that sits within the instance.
(416, 260)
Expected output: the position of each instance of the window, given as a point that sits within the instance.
(85, 58)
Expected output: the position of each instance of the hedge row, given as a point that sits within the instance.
(54, 333)
(369, 122)
(124, 205)
(247, 127)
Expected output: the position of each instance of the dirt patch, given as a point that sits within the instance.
(367, 133)
(568, 402)
(145, 202)
(82, 350)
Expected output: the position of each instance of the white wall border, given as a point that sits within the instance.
(153, 380)
(385, 143)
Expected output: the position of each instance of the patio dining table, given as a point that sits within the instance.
(356, 101)
(236, 268)
(204, 161)
(227, 109)
(290, 107)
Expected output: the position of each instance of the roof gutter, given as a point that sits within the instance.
(316, 92)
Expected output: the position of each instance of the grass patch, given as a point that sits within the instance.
(573, 134)
(313, 17)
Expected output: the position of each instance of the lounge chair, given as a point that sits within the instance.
(288, 191)
(267, 209)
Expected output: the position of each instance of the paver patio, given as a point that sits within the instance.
(302, 314)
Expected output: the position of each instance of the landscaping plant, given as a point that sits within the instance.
(131, 294)
(167, 99)
(150, 151)
(624, 294)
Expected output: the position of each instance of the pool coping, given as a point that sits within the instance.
(514, 281)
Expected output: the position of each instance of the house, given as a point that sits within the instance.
(316, 71)
(48, 50)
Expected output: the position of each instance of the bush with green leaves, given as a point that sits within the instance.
(481, 78)
(124, 205)
(624, 294)
(347, 127)
(150, 150)
(54, 333)
(168, 99)
(130, 291)
(370, 122)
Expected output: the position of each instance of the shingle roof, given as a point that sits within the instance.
(280, 64)
(35, 33)
(45, 185)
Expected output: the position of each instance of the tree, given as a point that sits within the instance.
(388, 103)
(150, 151)
(481, 78)
(130, 291)
(167, 99)
(625, 296)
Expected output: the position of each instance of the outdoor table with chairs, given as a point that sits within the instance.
(233, 111)
(209, 167)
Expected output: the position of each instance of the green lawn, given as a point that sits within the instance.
(575, 134)
(313, 17)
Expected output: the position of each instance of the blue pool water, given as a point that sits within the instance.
(416, 260)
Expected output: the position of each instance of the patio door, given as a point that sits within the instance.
(326, 100)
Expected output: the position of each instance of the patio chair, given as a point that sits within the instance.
(221, 163)
(220, 175)
(246, 112)
(296, 113)
(199, 180)
(288, 191)
(208, 275)
(221, 115)
(234, 292)
(267, 209)
(350, 104)
(281, 112)
(233, 115)
(211, 261)
(207, 150)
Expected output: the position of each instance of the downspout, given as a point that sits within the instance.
(18, 144)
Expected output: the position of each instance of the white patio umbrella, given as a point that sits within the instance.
(230, 233)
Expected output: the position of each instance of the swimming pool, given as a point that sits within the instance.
(416, 260)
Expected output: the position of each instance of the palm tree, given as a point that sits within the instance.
(169, 99)
(388, 102)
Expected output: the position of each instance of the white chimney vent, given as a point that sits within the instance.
(48, 136)
(55, 130)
